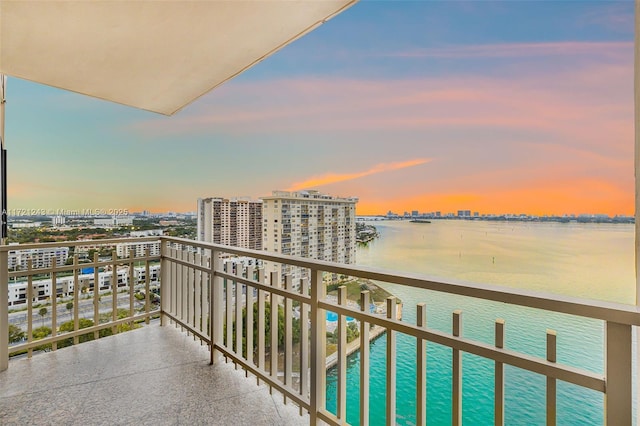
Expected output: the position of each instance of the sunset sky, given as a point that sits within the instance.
(496, 107)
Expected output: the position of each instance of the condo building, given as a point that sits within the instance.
(233, 222)
(309, 224)
(40, 258)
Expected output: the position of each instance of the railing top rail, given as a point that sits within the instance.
(597, 309)
(106, 241)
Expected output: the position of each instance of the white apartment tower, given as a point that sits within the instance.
(309, 224)
(232, 222)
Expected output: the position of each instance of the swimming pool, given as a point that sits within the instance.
(332, 316)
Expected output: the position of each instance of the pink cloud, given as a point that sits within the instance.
(329, 178)
(535, 100)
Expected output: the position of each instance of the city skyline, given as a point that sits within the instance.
(405, 105)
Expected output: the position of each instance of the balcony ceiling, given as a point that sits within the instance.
(154, 55)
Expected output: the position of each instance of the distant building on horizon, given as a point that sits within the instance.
(114, 221)
(58, 220)
(309, 224)
(230, 221)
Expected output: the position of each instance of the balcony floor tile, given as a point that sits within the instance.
(153, 375)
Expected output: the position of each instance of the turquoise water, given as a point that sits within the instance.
(594, 261)
(332, 316)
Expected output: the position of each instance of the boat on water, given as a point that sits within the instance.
(420, 221)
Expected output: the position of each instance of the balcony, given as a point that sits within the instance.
(165, 372)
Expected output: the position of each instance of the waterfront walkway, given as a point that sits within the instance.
(154, 375)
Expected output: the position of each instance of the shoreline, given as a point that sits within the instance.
(354, 346)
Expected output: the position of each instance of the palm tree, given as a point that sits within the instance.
(43, 312)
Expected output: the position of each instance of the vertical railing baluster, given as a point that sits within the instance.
(499, 376)
(177, 273)
(456, 412)
(288, 335)
(54, 301)
(4, 310)
(191, 291)
(228, 288)
(147, 279)
(304, 342)
(551, 382)
(96, 295)
(30, 307)
(177, 269)
(318, 347)
(342, 357)
(239, 327)
(216, 312)
(184, 288)
(197, 287)
(174, 282)
(114, 290)
(391, 363)
(274, 301)
(131, 285)
(618, 405)
(206, 296)
(76, 299)
(261, 324)
(165, 276)
(365, 300)
(421, 368)
(249, 310)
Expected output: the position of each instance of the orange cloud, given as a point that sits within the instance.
(330, 178)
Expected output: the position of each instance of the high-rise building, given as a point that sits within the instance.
(58, 220)
(233, 222)
(309, 224)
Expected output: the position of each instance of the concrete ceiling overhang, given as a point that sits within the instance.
(150, 54)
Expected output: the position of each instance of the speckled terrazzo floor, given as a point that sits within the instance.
(154, 375)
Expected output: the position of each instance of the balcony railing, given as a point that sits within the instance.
(225, 296)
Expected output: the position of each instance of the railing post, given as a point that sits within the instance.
(317, 397)
(551, 382)
(618, 397)
(499, 376)
(392, 304)
(342, 357)
(456, 409)
(421, 368)
(365, 300)
(164, 281)
(216, 320)
(4, 310)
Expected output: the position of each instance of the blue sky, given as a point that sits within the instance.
(522, 107)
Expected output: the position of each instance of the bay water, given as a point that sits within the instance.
(593, 261)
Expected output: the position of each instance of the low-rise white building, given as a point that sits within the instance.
(42, 289)
(40, 258)
(139, 249)
(114, 221)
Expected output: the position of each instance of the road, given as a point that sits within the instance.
(85, 311)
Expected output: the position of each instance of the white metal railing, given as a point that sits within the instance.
(187, 271)
(225, 304)
(48, 289)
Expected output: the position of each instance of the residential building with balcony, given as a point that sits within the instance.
(42, 289)
(114, 221)
(139, 249)
(40, 257)
(235, 222)
(309, 224)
